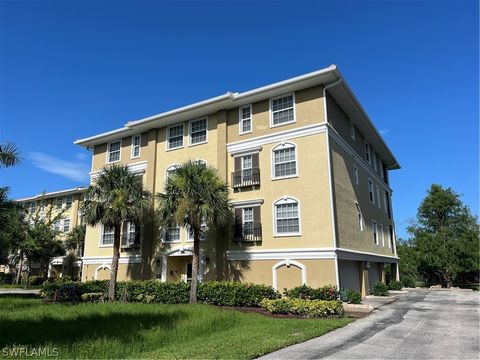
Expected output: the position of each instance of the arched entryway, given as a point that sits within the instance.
(288, 274)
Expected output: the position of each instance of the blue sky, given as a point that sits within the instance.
(73, 69)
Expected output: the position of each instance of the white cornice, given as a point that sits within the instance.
(135, 168)
(247, 203)
(346, 254)
(131, 259)
(247, 145)
(274, 254)
(52, 194)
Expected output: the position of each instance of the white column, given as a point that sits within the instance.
(163, 277)
(201, 267)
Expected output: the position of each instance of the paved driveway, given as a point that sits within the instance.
(423, 324)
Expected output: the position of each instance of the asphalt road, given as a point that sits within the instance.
(423, 324)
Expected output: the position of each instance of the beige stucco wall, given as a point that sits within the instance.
(125, 272)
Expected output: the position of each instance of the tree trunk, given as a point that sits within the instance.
(114, 269)
(27, 283)
(70, 258)
(20, 267)
(195, 264)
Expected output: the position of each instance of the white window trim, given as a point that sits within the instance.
(367, 146)
(286, 200)
(379, 202)
(56, 200)
(356, 178)
(352, 130)
(284, 145)
(380, 163)
(187, 234)
(190, 131)
(271, 111)
(360, 219)
(389, 237)
(375, 226)
(240, 119)
(108, 152)
(164, 238)
(374, 160)
(167, 137)
(170, 168)
(63, 225)
(382, 234)
(101, 244)
(385, 194)
(132, 145)
(372, 201)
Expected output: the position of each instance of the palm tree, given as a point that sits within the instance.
(194, 194)
(75, 240)
(9, 155)
(116, 197)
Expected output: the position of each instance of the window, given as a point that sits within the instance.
(247, 164)
(203, 233)
(131, 233)
(287, 219)
(382, 235)
(382, 170)
(173, 234)
(385, 194)
(170, 170)
(375, 232)
(390, 237)
(282, 110)
(375, 161)
(68, 201)
(367, 153)
(378, 197)
(245, 121)
(284, 161)
(42, 206)
(56, 225)
(355, 174)
(371, 195)
(113, 151)
(59, 203)
(198, 131)
(359, 217)
(66, 225)
(175, 137)
(247, 221)
(136, 140)
(33, 207)
(107, 236)
(352, 130)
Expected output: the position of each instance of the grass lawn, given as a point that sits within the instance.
(21, 286)
(123, 330)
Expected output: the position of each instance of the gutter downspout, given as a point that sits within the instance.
(329, 165)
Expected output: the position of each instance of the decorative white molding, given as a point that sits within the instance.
(101, 267)
(345, 254)
(288, 263)
(276, 254)
(246, 145)
(131, 259)
(249, 151)
(138, 167)
(247, 203)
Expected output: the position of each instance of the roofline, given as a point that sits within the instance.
(76, 190)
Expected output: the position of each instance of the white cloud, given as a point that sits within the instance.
(75, 170)
(384, 131)
(81, 156)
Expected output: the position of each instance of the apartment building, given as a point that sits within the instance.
(67, 203)
(309, 180)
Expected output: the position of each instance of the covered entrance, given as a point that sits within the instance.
(176, 265)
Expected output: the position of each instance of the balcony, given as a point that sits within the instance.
(250, 232)
(245, 178)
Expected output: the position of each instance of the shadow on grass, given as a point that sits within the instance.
(20, 296)
(118, 325)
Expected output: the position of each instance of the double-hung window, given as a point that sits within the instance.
(107, 236)
(245, 121)
(355, 174)
(198, 131)
(113, 151)
(368, 155)
(136, 140)
(66, 225)
(247, 221)
(132, 233)
(286, 217)
(56, 225)
(284, 161)
(382, 235)
(359, 217)
(282, 110)
(203, 233)
(175, 137)
(58, 203)
(172, 234)
(379, 203)
(374, 232)
(352, 130)
(371, 194)
(68, 201)
(247, 165)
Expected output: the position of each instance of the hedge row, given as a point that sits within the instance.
(328, 292)
(151, 291)
(303, 307)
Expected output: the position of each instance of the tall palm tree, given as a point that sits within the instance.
(9, 155)
(116, 197)
(75, 240)
(194, 194)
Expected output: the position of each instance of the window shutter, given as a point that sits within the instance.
(137, 234)
(238, 163)
(255, 160)
(123, 241)
(238, 224)
(257, 215)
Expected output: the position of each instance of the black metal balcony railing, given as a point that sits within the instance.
(249, 232)
(248, 177)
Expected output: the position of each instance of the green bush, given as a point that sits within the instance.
(380, 289)
(34, 280)
(395, 285)
(93, 297)
(353, 297)
(6, 278)
(328, 292)
(303, 307)
(408, 281)
(235, 293)
(67, 293)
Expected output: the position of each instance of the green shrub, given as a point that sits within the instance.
(34, 280)
(303, 307)
(93, 297)
(67, 293)
(408, 281)
(395, 285)
(235, 293)
(6, 278)
(328, 292)
(353, 297)
(380, 289)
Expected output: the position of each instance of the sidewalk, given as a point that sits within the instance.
(19, 291)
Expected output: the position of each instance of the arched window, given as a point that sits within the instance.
(286, 214)
(284, 161)
(170, 170)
